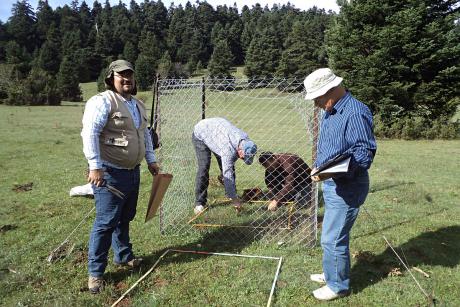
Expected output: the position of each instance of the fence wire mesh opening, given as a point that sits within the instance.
(277, 118)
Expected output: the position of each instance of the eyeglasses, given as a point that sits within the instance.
(127, 75)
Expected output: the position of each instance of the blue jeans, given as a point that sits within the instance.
(111, 225)
(342, 200)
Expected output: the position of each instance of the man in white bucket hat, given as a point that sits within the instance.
(346, 129)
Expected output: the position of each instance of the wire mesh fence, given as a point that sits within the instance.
(283, 125)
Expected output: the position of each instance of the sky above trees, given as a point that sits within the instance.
(5, 8)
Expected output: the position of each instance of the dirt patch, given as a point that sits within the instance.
(252, 194)
(80, 257)
(320, 221)
(39, 283)
(5, 228)
(121, 286)
(126, 302)
(281, 284)
(60, 252)
(159, 282)
(23, 187)
(365, 256)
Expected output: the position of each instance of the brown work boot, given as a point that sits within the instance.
(95, 284)
(133, 263)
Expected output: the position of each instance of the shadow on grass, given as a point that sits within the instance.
(207, 243)
(416, 218)
(387, 185)
(433, 248)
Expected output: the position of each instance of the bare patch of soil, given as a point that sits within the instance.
(23, 187)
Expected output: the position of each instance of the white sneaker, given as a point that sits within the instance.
(326, 294)
(319, 278)
(198, 209)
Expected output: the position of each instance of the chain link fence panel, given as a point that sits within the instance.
(277, 118)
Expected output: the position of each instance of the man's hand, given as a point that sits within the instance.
(273, 206)
(237, 204)
(320, 177)
(154, 168)
(96, 177)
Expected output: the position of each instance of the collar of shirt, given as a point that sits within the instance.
(339, 105)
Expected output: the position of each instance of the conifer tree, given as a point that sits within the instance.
(304, 46)
(218, 33)
(45, 18)
(149, 46)
(21, 25)
(3, 41)
(86, 21)
(49, 56)
(104, 36)
(145, 72)
(71, 42)
(19, 58)
(136, 21)
(67, 80)
(120, 28)
(69, 19)
(234, 41)
(165, 67)
(175, 33)
(130, 52)
(403, 58)
(263, 54)
(205, 18)
(40, 89)
(221, 60)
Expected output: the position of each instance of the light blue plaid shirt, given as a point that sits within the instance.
(222, 138)
(95, 118)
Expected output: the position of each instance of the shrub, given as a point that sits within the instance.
(39, 88)
(412, 128)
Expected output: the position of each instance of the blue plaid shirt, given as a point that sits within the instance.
(222, 138)
(96, 114)
(347, 128)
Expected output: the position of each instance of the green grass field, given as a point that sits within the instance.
(414, 202)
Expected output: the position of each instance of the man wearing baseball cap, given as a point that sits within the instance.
(115, 141)
(228, 143)
(346, 128)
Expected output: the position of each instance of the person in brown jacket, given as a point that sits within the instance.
(287, 177)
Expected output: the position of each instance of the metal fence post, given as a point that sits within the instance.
(203, 99)
(157, 111)
(314, 153)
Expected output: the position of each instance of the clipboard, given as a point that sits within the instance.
(338, 164)
(160, 184)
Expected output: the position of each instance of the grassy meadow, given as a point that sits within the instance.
(414, 202)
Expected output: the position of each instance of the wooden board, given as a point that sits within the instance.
(160, 184)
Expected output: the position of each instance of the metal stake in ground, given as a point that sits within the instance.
(56, 253)
(400, 259)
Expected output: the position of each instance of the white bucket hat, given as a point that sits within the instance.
(319, 82)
